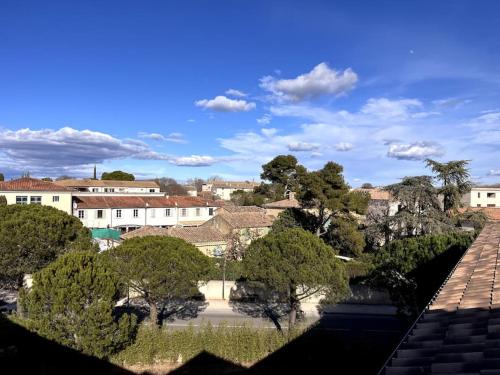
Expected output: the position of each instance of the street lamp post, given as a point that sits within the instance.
(218, 252)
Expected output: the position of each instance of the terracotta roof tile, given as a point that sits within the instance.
(247, 219)
(241, 209)
(133, 202)
(107, 183)
(376, 194)
(192, 235)
(30, 184)
(284, 203)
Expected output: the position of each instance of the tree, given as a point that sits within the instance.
(2, 178)
(455, 179)
(71, 302)
(283, 173)
(294, 218)
(247, 198)
(367, 185)
(296, 264)
(419, 210)
(64, 177)
(344, 236)
(118, 176)
(47, 179)
(196, 182)
(170, 186)
(32, 236)
(3, 200)
(160, 269)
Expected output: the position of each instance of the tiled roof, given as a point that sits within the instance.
(460, 331)
(376, 194)
(284, 203)
(30, 184)
(493, 213)
(241, 209)
(235, 184)
(242, 220)
(107, 183)
(134, 202)
(189, 234)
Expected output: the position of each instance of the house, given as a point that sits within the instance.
(243, 222)
(381, 201)
(485, 196)
(208, 240)
(27, 190)
(111, 186)
(131, 212)
(224, 189)
(275, 208)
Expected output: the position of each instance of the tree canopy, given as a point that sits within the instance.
(2, 178)
(161, 269)
(455, 179)
(32, 236)
(247, 198)
(296, 264)
(171, 186)
(72, 301)
(118, 176)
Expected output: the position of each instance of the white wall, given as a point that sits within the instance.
(146, 216)
(64, 203)
(107, 189)
(479, 197)
(225, 192)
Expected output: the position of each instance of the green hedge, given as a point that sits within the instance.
(240, 345)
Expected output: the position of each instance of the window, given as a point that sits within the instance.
(118, 214)
(490, 195)
(184, 212)
(136, 212)
(112, 190)
(55, 198)
(490, 205)
(479, 204)
(100, 214)
(22, 200)
(151, 190)
(479, 195)
(35, 199)
(81, 214)
(198, 211)
(167, 212)
(211, 211)
(95, 190)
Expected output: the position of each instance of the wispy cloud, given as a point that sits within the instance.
(302, 146)
(172, 137)
(234, 92)
(222, 103)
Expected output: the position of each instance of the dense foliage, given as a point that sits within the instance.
(3, 200)
(2, 178)
(32, 236)
(72, 301)
(236, 344)
(118, 176)
(344, 236)
(247, 198)
(296, 264)
(162, 270)
(170, 186)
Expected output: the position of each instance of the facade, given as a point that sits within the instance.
(111, 186)
(208, 240)
(485, 196)
(29, 190)
(275, 208)
(381, 201)
(224, 189)
(131, 212)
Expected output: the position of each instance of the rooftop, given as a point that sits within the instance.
(240, 220)
(88, 182)
(460, 331)
(284, 203)
(376, 194)
(31, 184)
(493, 213)
(192, 235)
(235, 184)
(84, 201)
(241, 209)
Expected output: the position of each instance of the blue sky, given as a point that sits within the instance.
(201, 88)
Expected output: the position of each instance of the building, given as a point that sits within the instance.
(131, 212)
(224, 189)
(275, 208)
(485, 196)
(29, 190)
(208, 240)
(111, 186)
(381, 201)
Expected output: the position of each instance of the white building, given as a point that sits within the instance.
(29, 190)
(485, 196)
(131, 212)
(224, 189)
(111, 186)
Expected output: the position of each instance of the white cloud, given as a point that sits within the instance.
(302, 146)
(172, 137)
(265, 119)
(415, 151)
(390, 109)
(451, 102)
(193, 161)
(494, 172)
(269, 132)
(234, 92)
(321, 80)
(344, 146)
(224, 104)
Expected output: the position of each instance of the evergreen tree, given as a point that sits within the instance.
(72, 301)
(118, 176)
